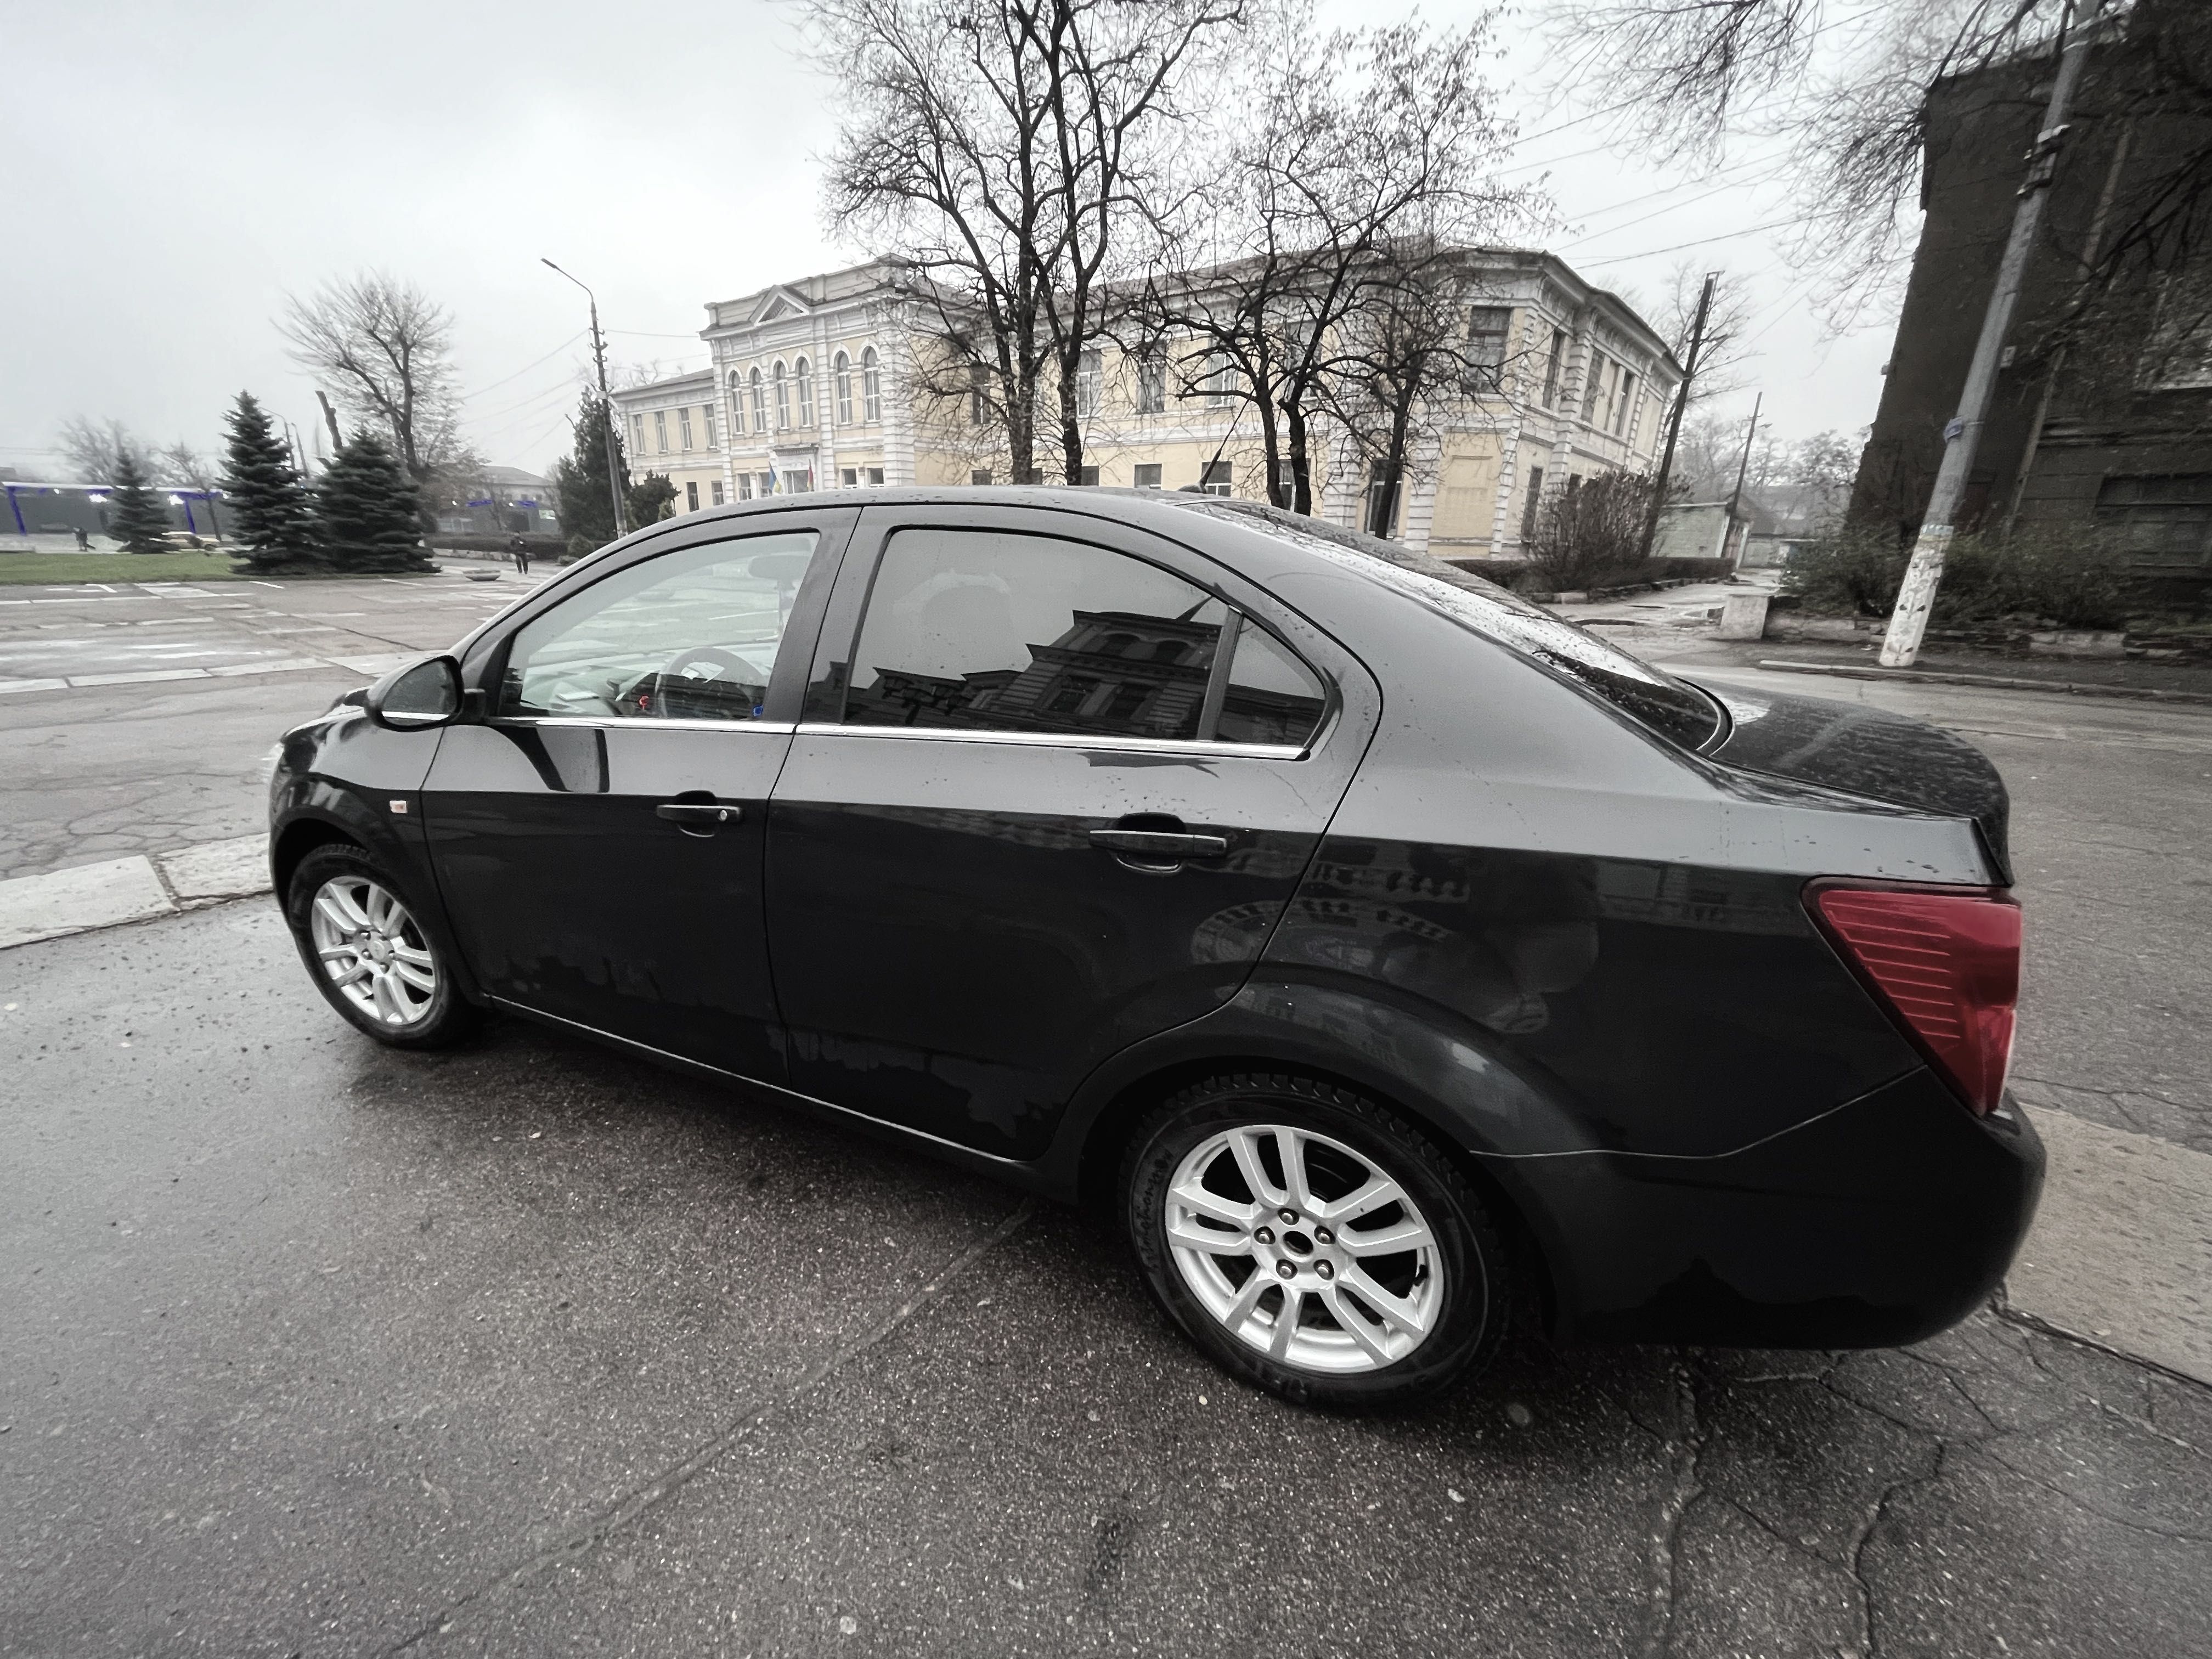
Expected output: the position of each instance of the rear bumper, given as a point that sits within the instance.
(1883, 1222)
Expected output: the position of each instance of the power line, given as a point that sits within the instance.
(527, 368)
(1725, 236)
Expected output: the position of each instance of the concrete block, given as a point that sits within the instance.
(219, 869)
(1743, 616)
(74, 901)
(2122, 1248)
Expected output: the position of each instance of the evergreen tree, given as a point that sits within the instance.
(651, 499)
(137, 513)
(371, 513)
(272, 513)
(587, 508)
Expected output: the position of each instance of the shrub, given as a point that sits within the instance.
(2066, 577)
(1593, 535)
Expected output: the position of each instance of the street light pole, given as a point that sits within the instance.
(606, 404)
(1908, 618)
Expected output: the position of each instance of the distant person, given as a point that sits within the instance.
(83, 541)
(520, 549)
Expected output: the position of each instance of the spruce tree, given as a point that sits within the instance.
(272, 513)
(580, 477)
(371, 515)
(137, 513)
(651, 499)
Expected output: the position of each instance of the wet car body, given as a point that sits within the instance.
(1578, 950)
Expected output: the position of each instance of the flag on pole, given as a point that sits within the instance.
(774, 489)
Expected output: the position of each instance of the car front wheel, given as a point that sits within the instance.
(1313, 1243)
(369, 952)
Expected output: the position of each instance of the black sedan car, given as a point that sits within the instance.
(1386, 952)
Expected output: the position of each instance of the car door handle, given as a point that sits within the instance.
(697, 817)
(1162, 843)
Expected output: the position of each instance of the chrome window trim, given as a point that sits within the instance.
(1065, 740)
(645, 723)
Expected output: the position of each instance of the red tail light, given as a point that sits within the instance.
(1946, 960)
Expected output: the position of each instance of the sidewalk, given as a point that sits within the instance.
(2121, 1256)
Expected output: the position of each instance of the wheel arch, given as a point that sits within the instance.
(299, 838)
(1098, 1158)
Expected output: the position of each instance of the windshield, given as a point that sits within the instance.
(1680, 713)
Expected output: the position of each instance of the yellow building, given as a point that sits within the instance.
(812, 387)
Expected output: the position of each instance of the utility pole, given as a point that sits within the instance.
(1674, 416)
(1743, 470)
(606, 405)
(1908, 619)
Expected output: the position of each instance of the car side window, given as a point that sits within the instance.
(691, 635)
(995, 631)
(1272, 697)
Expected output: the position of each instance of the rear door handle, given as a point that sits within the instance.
(698, 818)
(1161, 843)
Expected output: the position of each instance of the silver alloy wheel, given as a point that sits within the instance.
(372, 950)
(1317, 1257)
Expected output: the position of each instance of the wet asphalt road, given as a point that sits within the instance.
(310, 1348)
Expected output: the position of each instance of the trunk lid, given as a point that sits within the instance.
(1865, 751)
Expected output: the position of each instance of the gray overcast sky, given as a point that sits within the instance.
(174, 171)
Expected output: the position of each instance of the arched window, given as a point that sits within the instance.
(841, 368)
(872, 387)
(1170, 651)
(782, 398)
(804, 376)
(1117, 645)
(760, 404)
(737, 403)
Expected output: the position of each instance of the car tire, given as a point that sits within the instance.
(369, 954)
(1376, 1327)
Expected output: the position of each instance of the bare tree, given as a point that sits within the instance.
(180, 467)
(90, 448)
(1361, 161)
(1726, 344)
(1002, 150)
(1855, 109)
(383, 348)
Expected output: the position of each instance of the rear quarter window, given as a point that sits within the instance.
(1681, 713)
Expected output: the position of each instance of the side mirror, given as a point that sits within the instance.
(415, 698)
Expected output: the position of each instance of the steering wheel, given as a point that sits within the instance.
(691, 657)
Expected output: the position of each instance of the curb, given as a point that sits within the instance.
(135, 888)
(2001, 681)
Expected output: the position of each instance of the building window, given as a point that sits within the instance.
(979, 395)
(760, 404)
(716, 487)
(660, 430)
(684, 427)
(1216, 481)
(1534, 505)
(872, 385)
(1088, 372)
(1088, 474)
(744, 486)
(1555, 361)
(805, 375)
(1487, 327)
(1153, 383)
(737, 403)
(876, 475)
(691, 497)
(707, 413)
(981, 474)
(1287, 480)
(767, 481)
(1624, 399)
(849, 477)
(1148, 475)
(1594, 373)
(782, 397)
(1221, 381)
(840, 370)
(637, 432)
(2163, 520)
(800, 480)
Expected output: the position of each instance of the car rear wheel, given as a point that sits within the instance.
(1313, 1243)
(368, 953)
